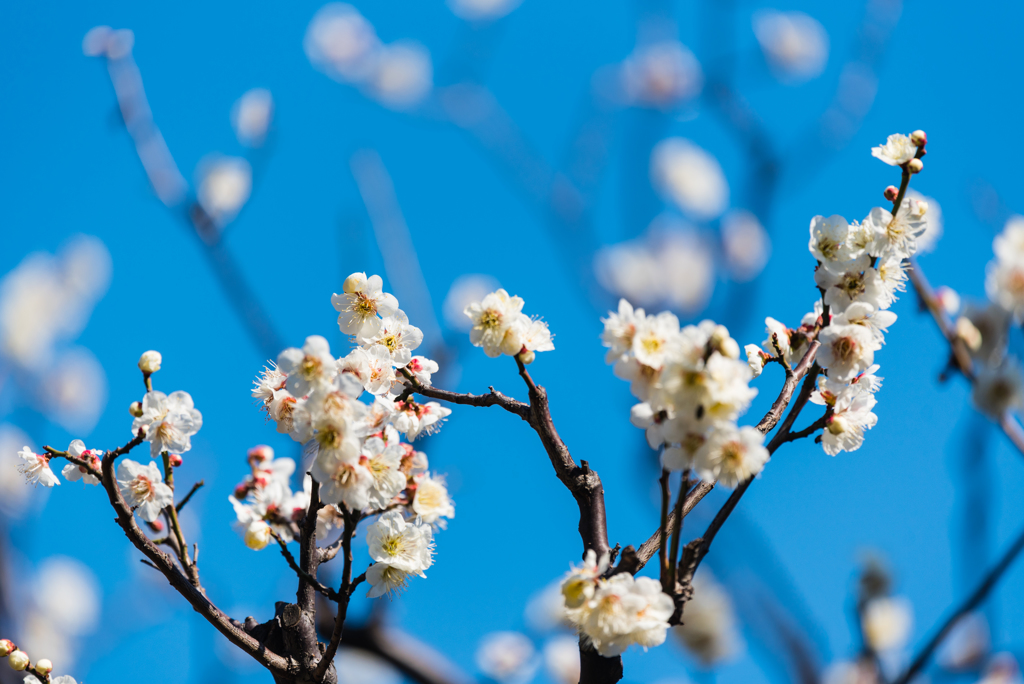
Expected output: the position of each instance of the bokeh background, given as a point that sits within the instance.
(514, 143)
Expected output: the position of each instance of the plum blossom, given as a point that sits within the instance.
(857, 281)
(36, 468)
(343, 478)
(507, 657)
(385, 579)
(308, 369)
(895, 235)
(421, 368)
(886, 622)
(362, 304)
(383, 462)
(846, 350)
(492, 319)
(709, 630)
(624, 611)
(143, 488)
(381, 372)
(409, 547)
(690, 177)
(794, 44)
(828, 241)
(170, 421)
(73, 472)
(415, 419)
(897, 150)
(844, 429)
(661, 75)
(999, 388)
(432, 502)
(398, 337)
(266, 383)
(731, 455)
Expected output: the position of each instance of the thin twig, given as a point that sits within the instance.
(345, 592)
(195, 488)
(303, 575)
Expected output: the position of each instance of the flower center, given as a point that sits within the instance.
(845, 348)
(310, 367)
(490, 319)
(364, 306)
(390, 341)
(141, 487)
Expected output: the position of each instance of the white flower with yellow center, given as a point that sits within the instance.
(862, 313)
(619, 329)
(846, 350)
(143, 488)
(655, 339)
(401, 544)
(421, 368)
(432, 502)
(579, 584)
(895, 236)
(828, 241)
(398, 337)
(36, 468)
(886, 623)
(266, 383)
(381, 371)
(731, 455)
(291, 416)
(385, 579)
(626, 611)
(492, 318)
(851, 416)
(342, 474)
(415, 419)
(897, 150)
(170, 420)
(383, 462)
(362, 304)
(856, 282)
(308, 369)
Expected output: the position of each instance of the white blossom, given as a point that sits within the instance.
(998, 389)
(266, 383)
(383, 462)
(73, 472)
(362, 304)
(224, 186)
(795, 44)
(755, 358)
(562, 659)
(745, 244)
(343, 477)
(403, 75)
(398, 337)
(291, 416)
(170, 421)
(625, 611)
(415, 419)
(897, 150)
(846, 350)
(406, 546)
(654, 339)
(844, 430)
(688, 176)
(857, 281)
(619, 330)
(507, 657)
(421, 368)
(661, 75)
(828, 241)
(731, 455)
(895, 236)
(308, 369)
(709, 629)
(143, 488)
(341, 42)
(385, 579)
(886, 622)
(36, 468)
(929, 211)
(493, 318)
(580, 582)
(432, 502)
(863, 313)
(251, 115)
(381, 371)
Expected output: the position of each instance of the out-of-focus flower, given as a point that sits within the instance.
(506, 657)
(65, 600)
(562, 659)
(999, 389)
(251, 116)
(464, 291)
(13, 492)
(48, 299)
(897, 150)
(341, 42)
(673, 264)
(546, 609)
(661, 75)
(967, 644)
(403, 75)
(886, 622)
(689, 177)
(745, 245)
(75, 390)
(850, 672)
(359, 667)
(223, 187)
(1002, 669)
(931, 213)
(482, 10)
(795, 44)
(709, 629)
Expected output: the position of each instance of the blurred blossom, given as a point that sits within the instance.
(886, 623)
(1002, 669)
(850, 672)
(48, 299)
(672, 265)
(745, 244)
(967, 644)
(709, 629)
(75, 390)
(993, 322)
(464, 291)
(65, 606)
(251, 116)
(686, 175)
(355, 666)
(482, 10)
(546, 609)
(507, 657)
(403, 75)
(341, 42)
(42, 635)
(932, 217)
(224, 187)
(562, 659)
(795, 44)
(14, 490)
(661, 75)
(103, 41)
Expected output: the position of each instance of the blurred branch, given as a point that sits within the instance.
(972, 602)
(172, 190)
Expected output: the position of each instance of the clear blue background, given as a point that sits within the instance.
(67, 166)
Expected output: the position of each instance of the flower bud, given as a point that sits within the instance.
(354, 283)
(836, 425)
(149, 362)
(891, 193)
(144, 430)
(260, 453)
(969, 333)
(729, 348)
(242, 491)
(527, 357)
(174, 460)
(135, 409)
(43, 666)
(156, 525)
(6, 646)
(948, 298)
(919, 138)
(18, 660)
(915, 165)
(257, 535)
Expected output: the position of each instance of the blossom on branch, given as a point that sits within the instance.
(36, 468)
(169, 421)
(73, 472)
(143, 488)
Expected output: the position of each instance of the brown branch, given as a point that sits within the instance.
(188, 497)
(693, 497)
(663, 564)
(304, 577)
(309, 556)
(163, 562)
(973, 601)
(492, 398)
(345, 592)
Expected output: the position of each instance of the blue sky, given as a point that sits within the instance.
(68, 167)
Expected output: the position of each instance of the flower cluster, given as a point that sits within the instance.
(615, 612)
(501, 327)
(359, 459)
(692, 386)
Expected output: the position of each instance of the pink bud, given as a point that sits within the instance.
(261, 452)
(242, 491)
(6, 646)
(156, 525)
(174, 460)
(919, 138)
(891, 193)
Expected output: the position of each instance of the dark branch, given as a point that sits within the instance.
(303, 575)
(195, 488)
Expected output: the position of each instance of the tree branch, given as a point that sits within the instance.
(492, 398)
(973, 601)
(305, 578)
(195, 488)
(345, 592)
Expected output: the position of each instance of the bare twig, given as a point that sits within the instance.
(303, 575)
(195, 488)
(492, 398)
(693, 497)
(345, 592)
